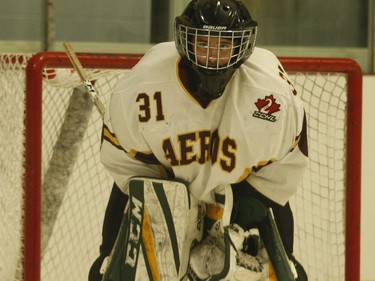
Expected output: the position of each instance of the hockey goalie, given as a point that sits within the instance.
(206, 141)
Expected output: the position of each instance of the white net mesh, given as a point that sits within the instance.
(11, 162)
(319, 205)
(74, 201)
(73, 244)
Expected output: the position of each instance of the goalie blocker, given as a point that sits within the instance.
(160, 224)
(231, 253)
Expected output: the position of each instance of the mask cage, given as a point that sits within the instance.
(215, 49)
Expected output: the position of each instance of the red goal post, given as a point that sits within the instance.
(33, 141)
(319, 72)
(353, 144)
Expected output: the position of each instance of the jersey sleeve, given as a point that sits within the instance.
(127, 149)
(124, 152)
(281, 179)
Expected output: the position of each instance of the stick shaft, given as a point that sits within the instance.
(82, 74)
(75, 61)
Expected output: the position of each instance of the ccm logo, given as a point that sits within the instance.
(135, 232)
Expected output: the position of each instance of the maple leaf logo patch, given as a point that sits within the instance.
(266, 108)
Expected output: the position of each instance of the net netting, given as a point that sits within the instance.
(75, 186)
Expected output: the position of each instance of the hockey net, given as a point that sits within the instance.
(53, 188)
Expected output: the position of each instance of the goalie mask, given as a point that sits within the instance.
(214, 37)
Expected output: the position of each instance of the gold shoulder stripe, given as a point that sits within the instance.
(262, 164)
(296, 141)
(111, 138)
(255, 168)
(245, 174)
(146, 157)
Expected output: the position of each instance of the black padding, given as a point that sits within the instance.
(112, 219)
(283, 214)
(302, 275)
(111, 225)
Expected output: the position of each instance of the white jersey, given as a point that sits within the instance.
(154, 127)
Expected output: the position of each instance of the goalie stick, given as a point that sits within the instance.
(82, 74)
(275, 248)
